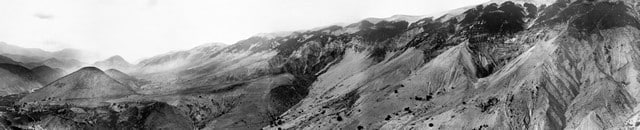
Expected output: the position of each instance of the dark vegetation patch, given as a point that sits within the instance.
(588, 17)
(387, 118)
(378, 54)
(347, 101)
(531, 9)
(383, 30)
(604, 15)
(286, 96)
(482, 127)
(435, 37)
(425, 98)
(485, 106)
(505, 18)
(486, 28)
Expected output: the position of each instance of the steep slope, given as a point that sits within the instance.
(88, 86)
(46, 74)
(562, 68)
(114, 62)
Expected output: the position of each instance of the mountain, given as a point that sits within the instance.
(33, 56)
(124, 78)
(407, 18)
(16, 50)
(76, 54)
(88, 86)
(65, 64)
(4, 59)
(11, 83)
(114, 62)
(179, 59)
(21, 71)
(45, 74)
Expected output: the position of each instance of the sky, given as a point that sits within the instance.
(138, 29)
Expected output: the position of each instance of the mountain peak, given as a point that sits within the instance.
(85, 87)
(116, 58)
(116, 62)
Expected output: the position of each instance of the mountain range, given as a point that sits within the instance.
(523, 64)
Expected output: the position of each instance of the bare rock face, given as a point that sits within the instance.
(88, 86)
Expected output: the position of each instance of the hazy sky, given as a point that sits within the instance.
(142, 28)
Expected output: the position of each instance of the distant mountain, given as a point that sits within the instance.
(76, 54)
(88, 86)
(179, 59)
(65, 64)
(114, 62)
(4, 59)
(21, 71)
(33, 55)
(407, 18)
(16, 50)
(46, 74)
(11, 83)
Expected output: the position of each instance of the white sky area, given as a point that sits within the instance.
(138, 29)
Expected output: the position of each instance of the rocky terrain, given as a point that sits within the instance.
(523, 64)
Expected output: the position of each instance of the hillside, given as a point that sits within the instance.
(11, 83)
(88, 86)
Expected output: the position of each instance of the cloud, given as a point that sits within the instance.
(152, 2)
(43, 16)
